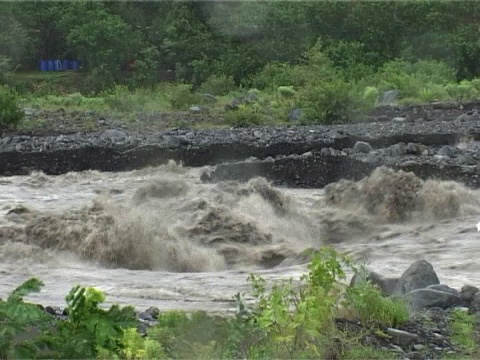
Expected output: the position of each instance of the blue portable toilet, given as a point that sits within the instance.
(58, 65)
(74, 65)
(43, 65)
(51, 65)
(66, 65)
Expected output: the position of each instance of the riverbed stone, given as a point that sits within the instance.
(398, 149)
(113, 134)
(474, 307)
(401, 337)
(467, 293)
(362, 147)
(447, 150)
(421, 299)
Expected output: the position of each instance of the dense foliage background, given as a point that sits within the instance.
(198, 39)
(325, 61)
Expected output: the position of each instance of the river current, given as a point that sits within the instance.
(159, 236)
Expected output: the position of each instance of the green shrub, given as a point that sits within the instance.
(5, 69)
(463, 330)
(101, 78)
(89, 329)
(180, 96)
(286, 92)
(218, 85)
(10, 112)
(327, 102)
(368, 303)
(465, 90)
(370, 95)
(16, 317)
(274, 75)
(122, 99)
(298, 321)
(246, 116)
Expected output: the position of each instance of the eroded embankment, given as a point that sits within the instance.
(311, 156)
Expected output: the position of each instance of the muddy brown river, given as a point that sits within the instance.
(159, 236)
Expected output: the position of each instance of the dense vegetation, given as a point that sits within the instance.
(332, 59)
(288, 320)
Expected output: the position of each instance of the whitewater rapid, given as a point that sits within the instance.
(161, 237)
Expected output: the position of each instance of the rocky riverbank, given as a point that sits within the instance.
(439, 141)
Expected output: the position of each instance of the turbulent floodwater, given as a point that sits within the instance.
(159, 236)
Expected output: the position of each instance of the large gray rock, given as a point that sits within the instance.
(420, 299)
(418, 276)
(362, 147)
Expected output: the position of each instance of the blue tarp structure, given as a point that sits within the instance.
(59, 65)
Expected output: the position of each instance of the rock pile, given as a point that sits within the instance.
(427, 335)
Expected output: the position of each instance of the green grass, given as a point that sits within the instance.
(464, 332)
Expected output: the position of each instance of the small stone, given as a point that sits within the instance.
(195, 109)
(50, 310)
(362, 147)
(111, 134)
(418, 347)
(145, 316)
(325, 152)
(209, 98)
(399, 119)
(468, 293)
(257, 134)
(398, 149)
(402, 338)
(396, 348)
(447, 151)
(153, 311)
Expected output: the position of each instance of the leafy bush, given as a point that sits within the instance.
(10, 113)
(465, 90)
(5, 68)
(89, 329)
(328, 102)
(286, 91)
(410, 79)
(368, 304)
(246, 116)
(16, 317)
(101, 78)
(370, 95)
(218, 85)
(122, 99)
(180, 96)
(299, 323)
(463, 330)
(274, 75)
